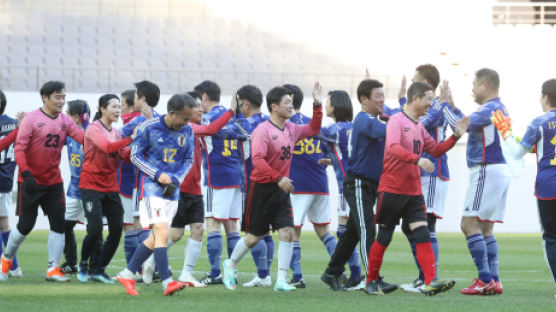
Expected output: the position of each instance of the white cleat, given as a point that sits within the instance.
(259, 282)
(148, 273)
(3, 277)
(415, 287)
(15, 273)
(360, 286)
(193, 282)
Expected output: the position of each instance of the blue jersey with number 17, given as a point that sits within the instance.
(309, 177)
(7, 159)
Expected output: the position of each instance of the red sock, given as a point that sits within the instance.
(425, 257)
(376, 254)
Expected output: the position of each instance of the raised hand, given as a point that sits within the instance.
(234, 104)
(367, 74)
(317, 93)
(403, 88)
(461, 126)
(503, 124)
(445, 92)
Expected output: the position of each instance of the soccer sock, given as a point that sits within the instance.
(269, 251)
(329, 242)
(492, 252)
(342, 228)
(376, 254)
(425, 256)
(231, 240)
(142, 235)
(238, 253)
(141, 255)
(56, 242)
(5, 237)
(214, 250)
(295, 261)
(285, 250)
(259, 257)
(161, 262)
(434, 244)
(130, 244)
(16, 239)
(411, 241)
(192, 252)
(477, 248)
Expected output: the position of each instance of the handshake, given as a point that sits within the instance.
(502, 123)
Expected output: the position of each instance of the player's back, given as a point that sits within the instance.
(7, 159)
(76, 156)
(336, 135)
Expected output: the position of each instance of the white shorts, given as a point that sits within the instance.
(74, 210)
(154, 210)
(486, 194)
(5, 204)
(131, 207)
(315, 207)
(434, 191)
(222, 204)
(343, 207)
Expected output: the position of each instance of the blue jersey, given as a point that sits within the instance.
(483, 143)
(7, 159)
(245, 165)
(76, 156)
(542, 134)
(366, 147)
(336, 136)
(158, 149)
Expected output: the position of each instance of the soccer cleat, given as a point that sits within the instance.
(479, 288)
(498, 290)
(102, 278)
(68, 268)
(343, 279)
(353, 281)
(332, 281)
(148, 273)
(229, 275)
(437, 286)
(82, 274)
(6, 266)
(191, 281)
(360, 286)
(15, 273)
(173, 287)
(386, 287)
(298, 284)
(414, 287)
(283, 286)
(129, 285)
(209, 280)
(372, 288)
(56, 275)
(259, 282)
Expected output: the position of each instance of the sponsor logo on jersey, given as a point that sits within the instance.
(181, 140)
(405, 129)
(275, 137)
(40, 124)
(160, 140)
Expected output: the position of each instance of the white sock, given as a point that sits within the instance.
(13, 244)
(166, 282)
(240, 250)
(192, 252)
(150, 261)
(126, 273)
(285, 250)
(56, 243)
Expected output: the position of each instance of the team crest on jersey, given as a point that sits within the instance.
(181, 140)
(40, 124)
(274, 137)
(64, 127)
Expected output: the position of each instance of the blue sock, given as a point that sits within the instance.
(5, 237)
(295, 263)
(412, 244)
(434, 244)
(231, 240)
(477, 248)
(161, 262)
(259, 256)
(140, 255)
(214, 250)
(269, 251)
(329, 242)
(130, 244)
(492, 251)
(341, 230)
(142, 235)
(354, 260)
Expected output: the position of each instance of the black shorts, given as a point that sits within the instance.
(51, 198)
(267, 205)
(190, 210)
(390, 208)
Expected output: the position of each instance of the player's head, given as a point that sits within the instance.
(3, 102)
(210, 92)
(419, 97)
(198, 114)
(79, 111)
(250, 99)
(485, 85)
(181, 108)
(128, 97)
(548, 98)
(53, 94)
(279, 102)
(427, 73)
(109, 107)
(338, 106)
(297, 95)
(146, 92)
(370, 94)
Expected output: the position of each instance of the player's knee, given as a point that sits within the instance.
(421, 235)
(24, 226)
(384, 236)
(94, 229)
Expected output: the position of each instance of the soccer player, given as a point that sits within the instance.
(38, 151)
(310, 195)
(338, 107)
(103, 146)
(268, 202)
(163, 151)
(400, 195)
(540, 137)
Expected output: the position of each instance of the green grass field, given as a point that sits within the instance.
(528, 285)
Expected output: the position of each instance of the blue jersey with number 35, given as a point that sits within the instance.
(7, 159)
(76, 155)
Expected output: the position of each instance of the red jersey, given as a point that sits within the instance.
(272, 147)
(8, 140)
(102, 148)
(405, 142)
(38, 147)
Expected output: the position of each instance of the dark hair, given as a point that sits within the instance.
(252, 94)
(489, 76)
(179, 101)
(81, 108)
(103, 102)
(127, 97)
(340, 101)
(50, 87)
(3, 102)
(417, 89)
(149, 90)
(366, 87)
(211, 89)
(430, 73)
(297, 95)
(275, 95)
(549, 89)
(195, 95)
